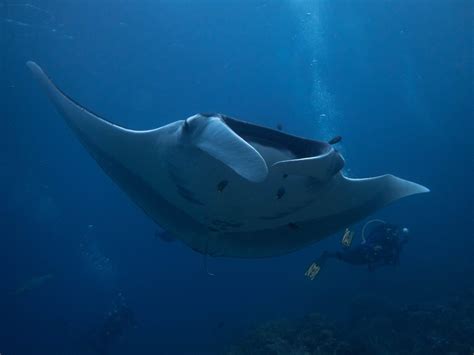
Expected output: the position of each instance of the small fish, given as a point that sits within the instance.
(285, 176)
(335, 140)
(280, 127)
(222, 185)
(281, 191)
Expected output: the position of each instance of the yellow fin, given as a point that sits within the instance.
(313, 271)
(347, 238)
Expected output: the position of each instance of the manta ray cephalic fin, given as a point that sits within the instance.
(219, 141)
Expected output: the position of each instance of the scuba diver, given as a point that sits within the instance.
(382, 246)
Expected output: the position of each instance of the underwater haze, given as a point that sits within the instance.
(85, 271)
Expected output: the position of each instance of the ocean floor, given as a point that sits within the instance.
(371, 328)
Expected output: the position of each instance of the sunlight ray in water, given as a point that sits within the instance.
(314, 32)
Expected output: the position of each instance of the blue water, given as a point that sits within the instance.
(393, 78)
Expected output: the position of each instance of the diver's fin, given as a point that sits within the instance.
(321, 167)
(220, 142)
(313, 271)
(346, 240)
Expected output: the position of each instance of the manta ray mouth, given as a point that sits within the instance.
(296, 147)
(263, 148)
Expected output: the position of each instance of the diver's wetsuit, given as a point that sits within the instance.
(382, 247)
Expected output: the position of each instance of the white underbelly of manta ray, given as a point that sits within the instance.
(227, 187)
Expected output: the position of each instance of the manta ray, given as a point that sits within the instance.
(227, 187)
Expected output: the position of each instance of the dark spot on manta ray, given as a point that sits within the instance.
(293, 226)
(222, 185)
(281, 191)
(285, 176)
(335, 140)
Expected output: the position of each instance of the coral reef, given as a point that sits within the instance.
(372, 328)
(313, 334)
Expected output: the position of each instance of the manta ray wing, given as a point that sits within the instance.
(126, 155)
